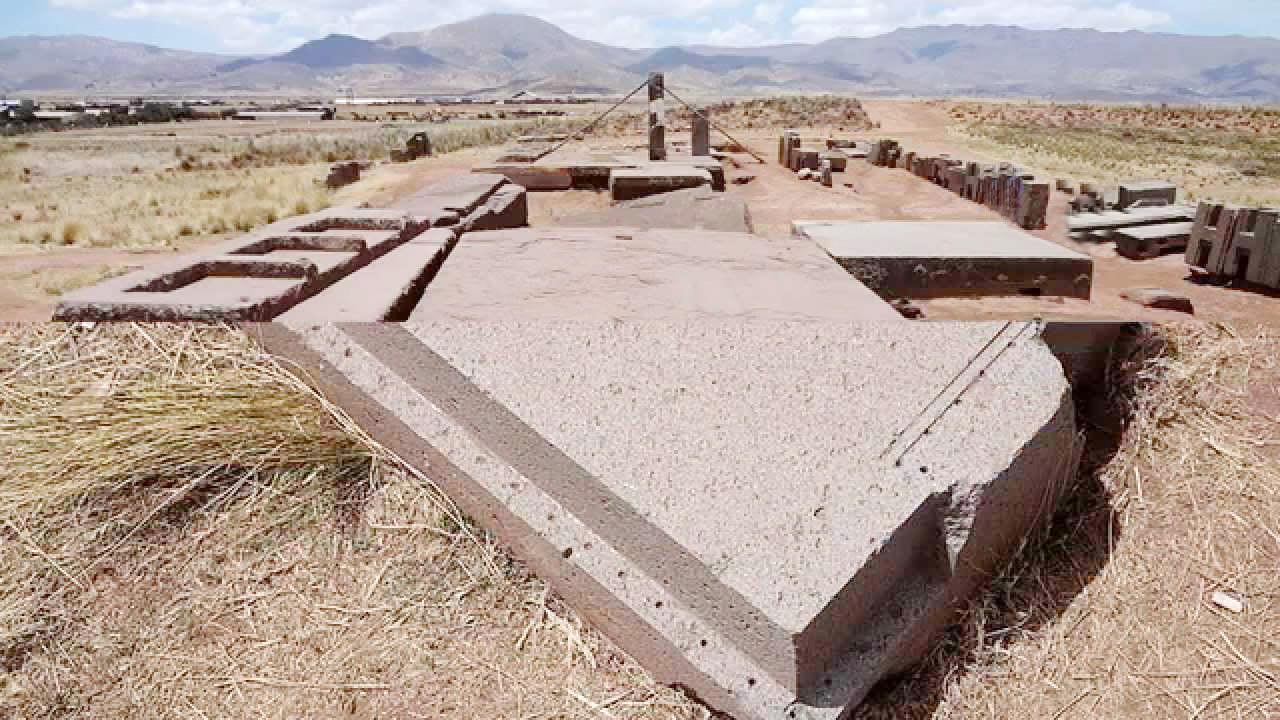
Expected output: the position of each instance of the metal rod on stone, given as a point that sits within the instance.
(697, 112)
(657, 121)
(593, 123)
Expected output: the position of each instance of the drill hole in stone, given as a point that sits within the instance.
(567, 552)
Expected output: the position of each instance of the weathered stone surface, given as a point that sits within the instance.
(693, 209)
(658, 274)
(1159, 298)
(461, 193)
(386, 290)
(1099, 226)
(632, 183)
(1149, 192)
(838, 160)
(701, 135)
(914, 456)
(254, 277)
(506, 208)
(1148, 241)
(938, 259)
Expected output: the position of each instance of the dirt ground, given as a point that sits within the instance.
(775, 198)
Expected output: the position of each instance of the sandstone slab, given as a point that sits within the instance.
(655, 274)
(775, 515)
(940, 259)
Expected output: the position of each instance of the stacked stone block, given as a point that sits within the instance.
(1230, 242)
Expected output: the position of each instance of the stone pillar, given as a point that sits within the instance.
(657, 121)
(701, 134)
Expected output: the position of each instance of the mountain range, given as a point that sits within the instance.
(501, 53)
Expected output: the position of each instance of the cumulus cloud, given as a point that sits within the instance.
(271, 25)
(825, 19)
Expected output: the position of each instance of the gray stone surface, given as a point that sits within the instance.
(1159, 298)
(253, 277)
(658, 274)
(654, 178)
(914, 457)
(693, 209)
(1148, 241)
(1150, 192)
(936, 259)
(386, 290)
(1114, 219)
(508, 207)
(460, 193)
(701, 135)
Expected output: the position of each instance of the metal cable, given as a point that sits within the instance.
(717, 127)
(593, 123)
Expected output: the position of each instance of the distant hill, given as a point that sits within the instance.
(507, 53)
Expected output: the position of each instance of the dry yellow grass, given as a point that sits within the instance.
(1224, 155)
(252, 555)
(190, 531)
(1110, 614)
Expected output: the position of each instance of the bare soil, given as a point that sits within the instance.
(776, 198)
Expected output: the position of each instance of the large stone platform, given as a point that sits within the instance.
(773, 514)
(940, 259)
(657, 274)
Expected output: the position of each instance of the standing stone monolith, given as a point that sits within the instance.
(701, 134)
(657, 123)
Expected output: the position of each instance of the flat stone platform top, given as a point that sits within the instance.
(774, 514)
(1134, 216)
(655, 274)
(1153, 232)
(929, 239)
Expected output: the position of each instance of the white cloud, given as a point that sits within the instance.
(825, 19)
(270, 25)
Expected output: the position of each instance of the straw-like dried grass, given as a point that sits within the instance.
(1109, 614)
(210, 538)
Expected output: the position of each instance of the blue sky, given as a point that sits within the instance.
(260, 26)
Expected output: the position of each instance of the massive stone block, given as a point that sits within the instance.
(939, 259)
(386, 290)
(773, 515)
(693, 209)
(1148, 241)
(254, 277)
(1150, 192)
(620, 272)
(632, 183)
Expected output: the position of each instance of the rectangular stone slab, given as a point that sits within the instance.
(941, 259)
(1148, 241)
(389, 286)
(599, 273)
(234, 281)
(632, 183)
(1112, 219)
(774, 515)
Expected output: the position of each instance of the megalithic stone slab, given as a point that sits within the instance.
(773, 515)
(254, 277)
(628, 273)
(459, 194)
(947, 259)
(654, 178)
(701, 135)
(387, 289)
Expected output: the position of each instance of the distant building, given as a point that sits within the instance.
(349, 100)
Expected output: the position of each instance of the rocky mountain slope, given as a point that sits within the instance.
(508, 53)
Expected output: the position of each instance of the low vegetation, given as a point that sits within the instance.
(189, 528)
(146, 189)
(818, 111)
(1231, 163)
